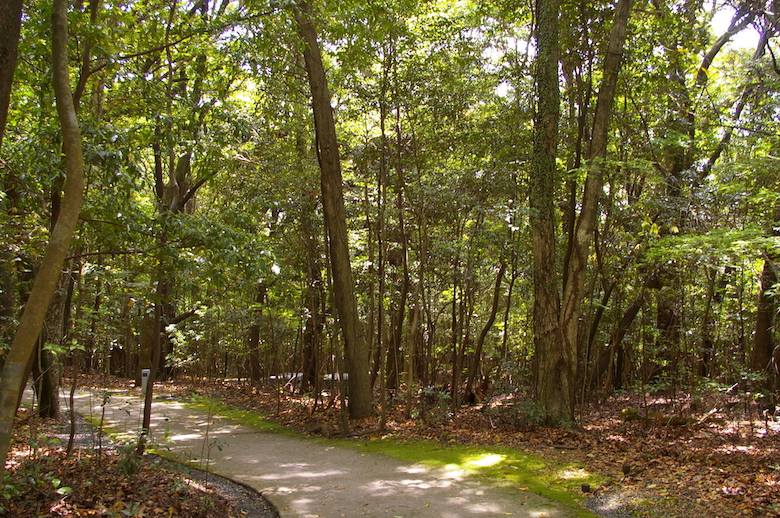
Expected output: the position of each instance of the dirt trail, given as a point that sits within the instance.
(307, 478)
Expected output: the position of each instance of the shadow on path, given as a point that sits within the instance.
(308, 478)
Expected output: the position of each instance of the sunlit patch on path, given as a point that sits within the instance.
(307, 478)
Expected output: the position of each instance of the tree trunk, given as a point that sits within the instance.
(356, 354)
(255, 373)
(615, 346)
(554, 364)
(594, 183)
(10, 27)
(47, 369)
(11, 382)
(766, 308)
(155, 322)
(474, 367)
(312, 348)
(403, 295)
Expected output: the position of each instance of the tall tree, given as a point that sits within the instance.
(585, 226)
(12, 379)
(10, 27)
(554, 362)
(356, 352)
(559, 322)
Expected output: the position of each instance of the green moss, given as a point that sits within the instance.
(216, 407)
(560, 483)
(524, 470)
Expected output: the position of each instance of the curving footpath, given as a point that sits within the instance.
(308, 478)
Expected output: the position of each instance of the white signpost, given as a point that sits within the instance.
(145, 379)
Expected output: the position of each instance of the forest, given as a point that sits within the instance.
(443, 202)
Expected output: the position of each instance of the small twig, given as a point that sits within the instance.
(707, 416)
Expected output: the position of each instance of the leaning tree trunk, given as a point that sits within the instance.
(356, 353)
(12, 380)
(594, 184)
(474, 367)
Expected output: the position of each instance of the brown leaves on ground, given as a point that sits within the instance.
(715, 455)
(44, 482)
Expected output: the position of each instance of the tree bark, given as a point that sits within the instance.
(766, 308)
(474, 367)
(554, 365)
(10, 29)
(594, 183)
(47, 370)
(356, 354)
(11, 382)
(255, 372)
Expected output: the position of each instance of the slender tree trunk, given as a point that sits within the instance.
(254, 334)
(48, 368)
(381, 335)
(474, 367)
(10, 27)
(11, 382)
(345, 302)
(594, 183)
(616, 342)
(401, 207)
(744, 97)
(411, 348)
(146, 422)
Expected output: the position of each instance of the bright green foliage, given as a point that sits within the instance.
(434, 105)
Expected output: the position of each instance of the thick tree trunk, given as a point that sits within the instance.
(11, 382)
(554, 364)
(356, 353)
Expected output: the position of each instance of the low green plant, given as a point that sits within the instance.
(434, 405)
(532, 412)
(129, 461)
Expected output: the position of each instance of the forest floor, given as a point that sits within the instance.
(714, 455)
(41, 480)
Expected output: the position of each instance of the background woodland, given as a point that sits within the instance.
(633, 248)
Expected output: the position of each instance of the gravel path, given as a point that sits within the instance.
(307, 478)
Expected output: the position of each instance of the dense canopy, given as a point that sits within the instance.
(554, 200)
